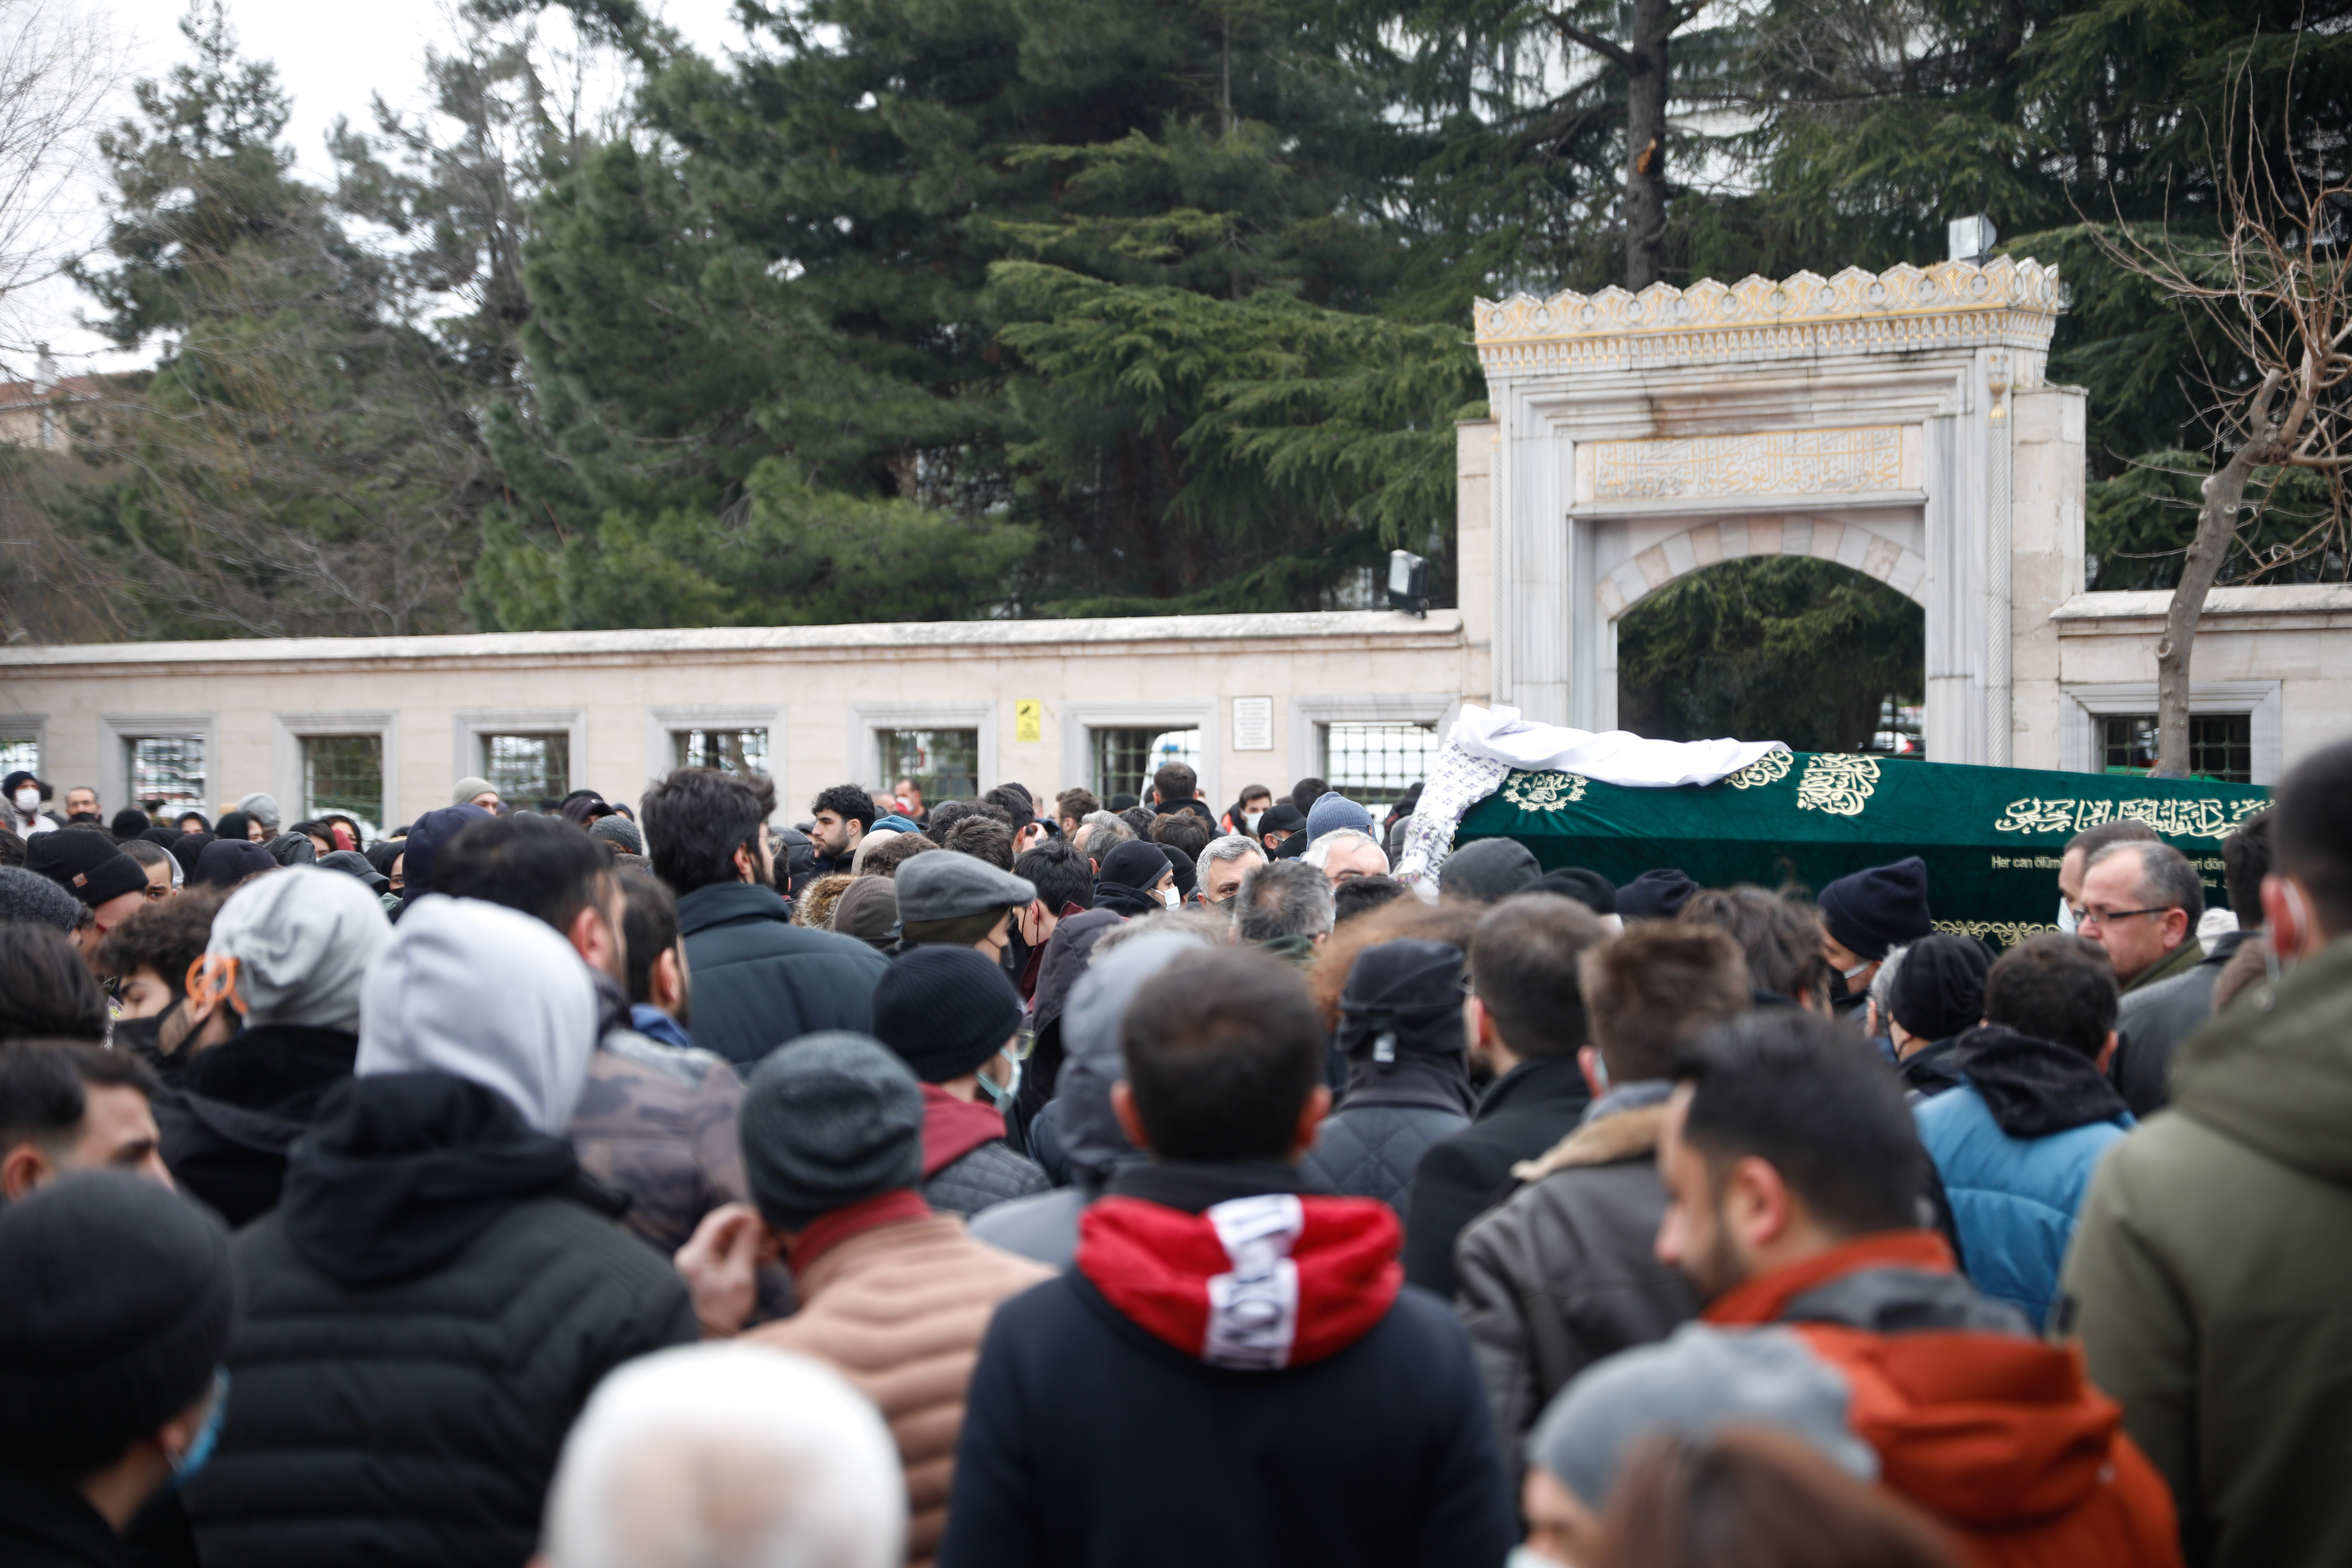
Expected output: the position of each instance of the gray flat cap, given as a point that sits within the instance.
(949, 887)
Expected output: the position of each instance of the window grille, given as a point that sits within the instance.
(1372, 763)
(168, 766)
(944, 763)
(2220, 745)
(728, 751)
(345, 775)
(1123, 760)
(528, 771)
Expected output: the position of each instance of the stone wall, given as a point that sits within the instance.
(820, 692)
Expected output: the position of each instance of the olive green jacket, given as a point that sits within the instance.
(2210, 1278)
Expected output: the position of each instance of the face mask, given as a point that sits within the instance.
(28, 801)
(1251, 820)
(1000, 1095)
(199, 1453)
(138, 1035)
(1170, 897)
(2066, 922)
(1523, 1556)
(1857, 971)
(1601, 1071)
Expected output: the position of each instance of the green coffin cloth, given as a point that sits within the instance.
(1990, 836)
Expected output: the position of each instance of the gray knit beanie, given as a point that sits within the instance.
(621, 831)
(829, 1121)
(263, 809)
(29, 896)
(1699, 1379)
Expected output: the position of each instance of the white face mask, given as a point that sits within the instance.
(28, 801)
(1001, 1095)
(1857, 971)
(1250, 821)
(1170, 897)
(2066, 922)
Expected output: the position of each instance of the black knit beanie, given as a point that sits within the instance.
(119, 1304)
(1488, 870)
(85, 864)
(1655, 895)
(1939, 989)
(1883, 907)
(130, 823)
(945, 1010)
(828, 1120)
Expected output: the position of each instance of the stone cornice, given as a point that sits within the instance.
(1953, 304)
(1336, 628)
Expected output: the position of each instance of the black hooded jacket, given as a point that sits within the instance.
(426, 1312)
(236, 1108)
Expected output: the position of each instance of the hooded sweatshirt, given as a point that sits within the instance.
(2209, 1285)
(1231, 1374)
(488, 993)
(1999, 1436)
(2014, 1146)
(295, 947)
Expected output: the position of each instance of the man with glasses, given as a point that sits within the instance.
(2074, 862)
(2141, 901)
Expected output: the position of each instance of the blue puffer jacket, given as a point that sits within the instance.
(2014, 1200)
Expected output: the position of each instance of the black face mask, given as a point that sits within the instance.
(83, 816)
(138, 1035)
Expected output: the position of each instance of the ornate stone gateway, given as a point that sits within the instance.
(1870, 420)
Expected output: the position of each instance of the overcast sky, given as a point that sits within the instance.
(330, 58)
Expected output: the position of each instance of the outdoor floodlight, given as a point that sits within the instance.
(1408, 582)
(1970, 238)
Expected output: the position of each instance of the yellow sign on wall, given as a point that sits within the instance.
(1028, 720)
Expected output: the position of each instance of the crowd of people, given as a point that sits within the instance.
(1003, 1180)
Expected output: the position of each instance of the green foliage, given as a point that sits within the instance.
(1780, 647)
(790, 556)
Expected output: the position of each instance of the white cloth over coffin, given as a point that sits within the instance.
(1489, 743)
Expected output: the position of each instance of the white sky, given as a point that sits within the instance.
(330, 59)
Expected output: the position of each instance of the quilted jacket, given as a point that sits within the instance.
(1372, 1151)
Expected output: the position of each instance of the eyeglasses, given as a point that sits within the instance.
(2089, 918)
(1022, 1044)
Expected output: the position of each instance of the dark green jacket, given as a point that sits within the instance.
(2211, 1276)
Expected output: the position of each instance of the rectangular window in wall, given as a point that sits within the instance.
(528, 771)
(2220, 745)
(169, 767)
(1121, 762)
(1373, 763)
(728, 751)
(19, 753)
(344, 775)
(944, 763)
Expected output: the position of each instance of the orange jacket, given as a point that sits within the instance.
(1999, 1436)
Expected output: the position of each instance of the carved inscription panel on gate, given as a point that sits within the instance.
(1841, 462)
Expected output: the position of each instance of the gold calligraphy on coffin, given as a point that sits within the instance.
(2005, 933)
(2172, 819)
(1544, 791)
(1765, 463)
(1838, 784)
(1769, 768)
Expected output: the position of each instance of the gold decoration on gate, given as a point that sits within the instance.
(1545, 791)
(1838, 782)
